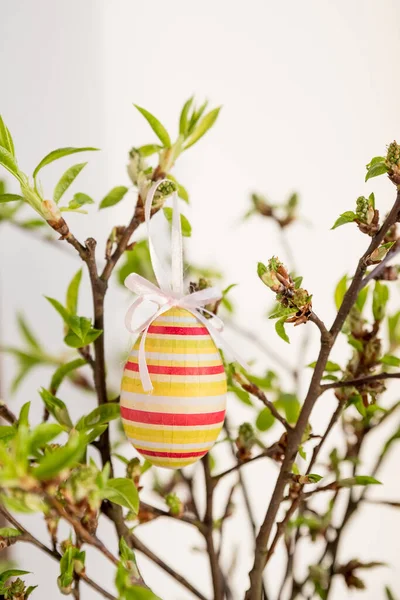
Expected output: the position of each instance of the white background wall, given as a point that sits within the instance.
(310, 94)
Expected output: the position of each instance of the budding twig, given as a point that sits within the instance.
(28, 537)
(359, 381)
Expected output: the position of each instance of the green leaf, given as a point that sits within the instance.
(94, 433)
(340, 291)
(330, 366)
(10, 198)
(280, 330)
(99, 416)
(136, 592)
(379, 300)
(7, 432)
(59, 459)
(390, 360)
(122, 491)
(27, 333)
(357, 344)
(63, 371)
(59, 153)
(66, 316)
(346, 217)
(23, 418)
(314, 477)
(9, 532)
(375, 161)
(6, 140)
(83, 339)
(183, 119)
(282, 311)
(290, 404)
(376, 168)
(113, 197)
(24, 504)
(205, 124)
(79, 199)
(394, 329)
(137, 261)
(185, 225)
(43, 434)
(66, 180)
(11, 573)
(181, 190)
(358, 480)
(242, 395)
(72, 293)
(362, 298)
(297, 282)
(265, 419)
(149, 150)
(57, 408)
(8, 162)
(156, 126)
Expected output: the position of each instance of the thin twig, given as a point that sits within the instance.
(217, 580)
(28, 537)
(254, 390)
(359, 381)
(379, 268)
(6, 413)
(110, 510)
(80, 530)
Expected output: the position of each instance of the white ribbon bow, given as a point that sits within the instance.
(168, 295)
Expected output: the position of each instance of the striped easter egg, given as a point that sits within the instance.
(180, 420)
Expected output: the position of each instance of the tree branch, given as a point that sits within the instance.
(359, 381)
(28, 537)
(295, 436)
(208, 521)
(6, 413)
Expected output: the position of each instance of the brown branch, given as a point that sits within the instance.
(268, 452)
(115, 515)
(379, 268)
(28, 537)
(254, 390)
(295, 436)
(217, 579)
(159, 512)
(359, 381)
(6, 413)
(243, 487)
(80, 530)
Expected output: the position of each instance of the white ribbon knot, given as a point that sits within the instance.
(168, 295)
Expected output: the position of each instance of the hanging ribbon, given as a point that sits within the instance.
(169, 292)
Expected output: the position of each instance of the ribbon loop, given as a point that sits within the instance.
(169, 292)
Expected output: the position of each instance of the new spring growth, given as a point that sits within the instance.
(134, 470)
(174, 504)
(81, 492)
(392, 162)
(367, 215)
(283, 214)
(245, 441)
(295, 300)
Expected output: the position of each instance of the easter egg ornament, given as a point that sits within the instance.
(173, 392)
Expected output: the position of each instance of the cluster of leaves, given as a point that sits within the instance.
(283, 214)
(31, 190)
(293, 302)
